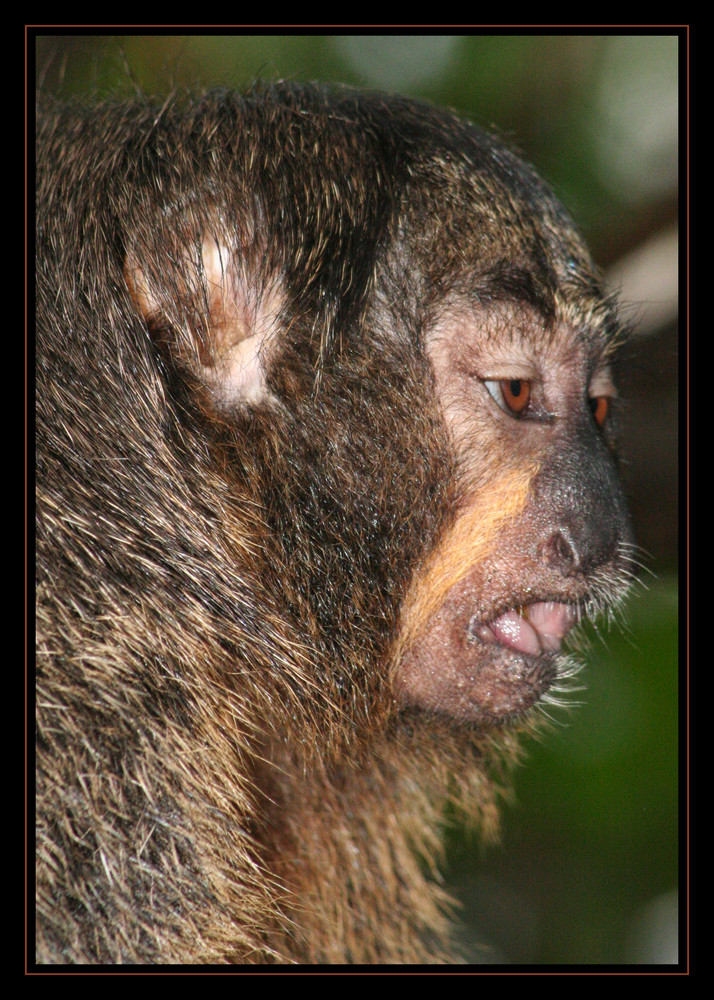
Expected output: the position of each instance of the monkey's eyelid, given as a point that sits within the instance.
(606, 389)
(602, 384)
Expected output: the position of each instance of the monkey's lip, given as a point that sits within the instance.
(531, 629)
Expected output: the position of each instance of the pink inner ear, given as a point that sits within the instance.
(242, 321)
(227, 303)
(229, 354)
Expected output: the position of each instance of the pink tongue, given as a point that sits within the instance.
(542, 630)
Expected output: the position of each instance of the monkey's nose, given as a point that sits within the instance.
(572, 551)
(561, 552)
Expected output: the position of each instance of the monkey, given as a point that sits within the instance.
(326, 475)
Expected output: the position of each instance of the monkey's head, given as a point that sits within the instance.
(404, 331)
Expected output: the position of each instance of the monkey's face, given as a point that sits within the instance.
(542, 537)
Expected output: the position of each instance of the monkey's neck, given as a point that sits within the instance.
(363, 843)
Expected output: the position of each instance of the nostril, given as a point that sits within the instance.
(560, 553)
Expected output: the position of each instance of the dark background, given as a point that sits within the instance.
(587, 871)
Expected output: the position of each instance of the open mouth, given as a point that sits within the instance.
(486, 670)
(531, 629)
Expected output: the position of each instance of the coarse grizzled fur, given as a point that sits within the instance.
(224, 774)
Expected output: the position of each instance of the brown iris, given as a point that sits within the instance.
(516, 394)
(599, 406)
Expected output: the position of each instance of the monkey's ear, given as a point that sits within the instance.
(208, 311)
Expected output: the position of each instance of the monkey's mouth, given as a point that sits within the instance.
(488, 671)
(530, 629)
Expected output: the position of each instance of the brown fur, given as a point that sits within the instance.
(252, 500)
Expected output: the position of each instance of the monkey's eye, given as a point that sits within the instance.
(511, 394)
(599, 405)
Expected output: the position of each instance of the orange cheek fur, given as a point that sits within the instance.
(471, 540)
